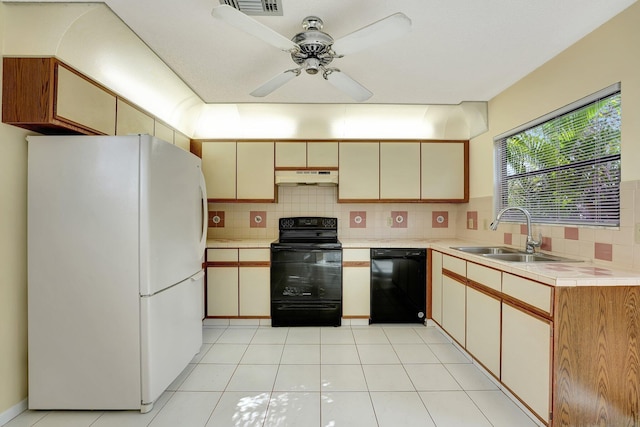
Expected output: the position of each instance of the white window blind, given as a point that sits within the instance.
(564, 167)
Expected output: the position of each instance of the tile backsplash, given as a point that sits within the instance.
(355, 220)
(469, 221)
(611, 246)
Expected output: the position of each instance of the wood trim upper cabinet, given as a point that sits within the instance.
(400, 171)
(445, 171)
(46, 96)
(359, 171)
(131, 119)
(255, 175)
(313, 155)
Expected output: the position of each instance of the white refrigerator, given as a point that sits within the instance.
(116, 237)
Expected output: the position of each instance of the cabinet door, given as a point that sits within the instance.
(254, 282)
(359, 171)
(82, 102)
(163, 132)
(219, 169)
(444, 172)
(400, 170)
(255, 171)
(322, 154)
(483, 329)
(291, 154)
(131, 120)
(526, 358)
(356, 282)
(436, 287)
(182, 141)
(254, 291)
(222, 291)
(453, 308)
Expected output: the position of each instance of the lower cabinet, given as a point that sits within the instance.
(483, 329)
(238, 282)
(436, 286)
(222, 291)
(526, 357)
(356, 282)
(453, 308)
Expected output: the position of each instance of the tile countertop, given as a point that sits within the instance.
(555, 273)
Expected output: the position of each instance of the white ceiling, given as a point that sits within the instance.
(457, 50)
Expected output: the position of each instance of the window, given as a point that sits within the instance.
(564, 167)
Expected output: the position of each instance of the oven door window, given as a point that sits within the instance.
(306, 274)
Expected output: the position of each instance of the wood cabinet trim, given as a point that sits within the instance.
(356, 264)
(455, 276)
(527, 308)
(490, 292)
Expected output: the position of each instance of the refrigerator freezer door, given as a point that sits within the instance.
(171, 215)
(171, 335)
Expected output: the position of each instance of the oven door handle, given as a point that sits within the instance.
(296, 249)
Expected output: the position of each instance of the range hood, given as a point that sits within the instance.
(306, 177)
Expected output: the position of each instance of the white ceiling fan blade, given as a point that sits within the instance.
(275, 83)
(243, 22)
(381, 31)
(348, 85)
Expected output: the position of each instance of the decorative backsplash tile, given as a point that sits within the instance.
(603, 251)
(216, 219)
(357, 219)
(258, 219)
(440, 219)
(399, 219)
(546, 244)
(572, 233)
(508, 239)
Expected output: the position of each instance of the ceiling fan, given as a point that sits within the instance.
(313, 50)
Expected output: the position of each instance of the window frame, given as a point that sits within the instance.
(501, 177)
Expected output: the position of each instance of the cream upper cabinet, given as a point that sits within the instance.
(302, 155)
(444, 174)
(255, 171)
(163, 132)
(182, 141)
(82, 102)
(322, 154)
(219, 169)
(399, 170)
(131, 120)
(291, 154)
(359, 171)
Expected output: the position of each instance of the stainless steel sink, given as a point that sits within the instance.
(482, 250)
(525, 257)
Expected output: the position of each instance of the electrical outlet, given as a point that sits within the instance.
(636, 232)
(389, 221)
(485, 224)
(470, 223)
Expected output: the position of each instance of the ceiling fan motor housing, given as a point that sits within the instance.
(315, 46)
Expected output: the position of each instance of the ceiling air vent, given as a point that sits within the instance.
(256, 7)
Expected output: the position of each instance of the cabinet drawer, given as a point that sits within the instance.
(527, 291)
(355, 255)
(485, 276)
(456, 265)
(222, 255)
(255, 255)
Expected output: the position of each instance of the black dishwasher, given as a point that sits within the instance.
(398, 285)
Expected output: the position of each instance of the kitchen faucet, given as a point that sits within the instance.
(531, 244)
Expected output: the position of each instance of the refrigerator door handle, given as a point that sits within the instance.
(205, 214)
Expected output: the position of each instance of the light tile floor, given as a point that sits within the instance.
(388, 375)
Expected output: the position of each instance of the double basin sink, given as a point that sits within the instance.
(502, 253)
